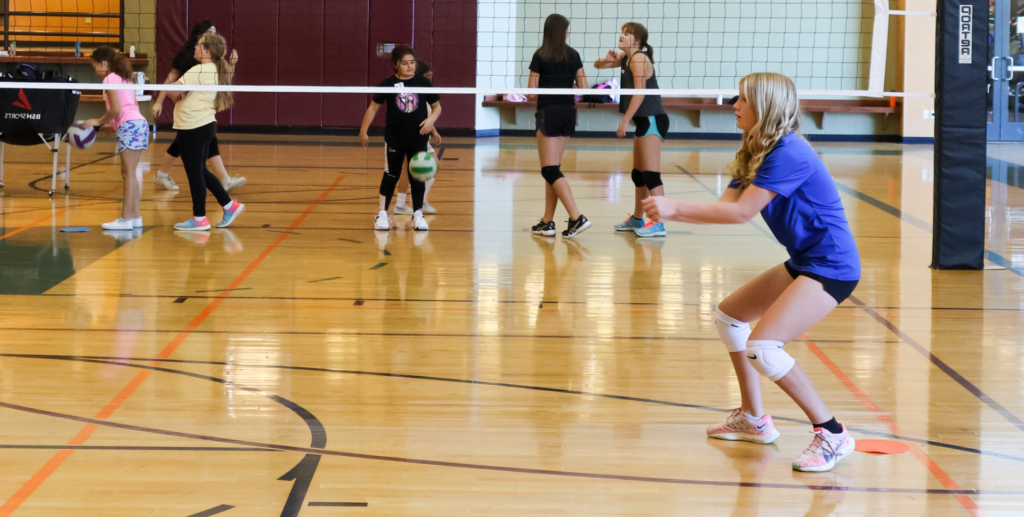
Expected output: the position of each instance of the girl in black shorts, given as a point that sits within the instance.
(648, 114)
(183, 62)
(406, 132)
(556, 65)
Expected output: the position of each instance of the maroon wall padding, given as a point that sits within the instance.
(346, 34)
(300, 61)
(171, 32)
(327, 42)
(390, 22)
(446, 37)
(256, 34)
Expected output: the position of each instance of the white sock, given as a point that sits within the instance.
(161, 174)
(401, 199)
(752, 418)
(230, 205)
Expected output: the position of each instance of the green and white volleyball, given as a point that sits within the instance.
(422, 166)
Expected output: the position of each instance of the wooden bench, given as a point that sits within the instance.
(700, 105)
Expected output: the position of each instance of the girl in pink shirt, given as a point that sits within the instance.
(132, 131)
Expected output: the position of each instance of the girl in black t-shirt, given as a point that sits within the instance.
(404, 188)
(406, 131)
(556, 65)
(182, 62)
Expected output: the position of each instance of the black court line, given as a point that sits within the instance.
(492, 468)
(129, 360)
(562, 337)
(213, 511)
(940, 364)
(454, 300)
(225, 290)
(378, 266)
(711, 191)
(283, 231)
(311, 503)
(440, 152)
(301, 475)
(323, 279)
(350, 240)
(33, 183)
(497, 468)
(135, 448)
(992, 256)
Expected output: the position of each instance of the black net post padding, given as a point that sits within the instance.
(961, 61)
(27, 113)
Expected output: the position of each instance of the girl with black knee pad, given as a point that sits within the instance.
(404, 188)
(406, 132)
(648, 114)
(556, 65)
(777, 173)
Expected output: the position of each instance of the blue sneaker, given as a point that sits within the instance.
(193, 225)
(651, 229)
(230, 214)
(631, 224)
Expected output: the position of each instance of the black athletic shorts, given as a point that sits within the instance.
(173, 149)
(838, 289)
(654, 125)
(553, 121)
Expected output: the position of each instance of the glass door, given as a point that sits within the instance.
(1006, 71)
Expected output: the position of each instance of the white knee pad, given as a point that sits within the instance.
(769, 359)
(734, 333)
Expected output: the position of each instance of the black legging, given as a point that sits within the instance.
(173, 149)
(396, 157)
(194, 145)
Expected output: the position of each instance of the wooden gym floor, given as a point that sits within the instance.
(302, 363)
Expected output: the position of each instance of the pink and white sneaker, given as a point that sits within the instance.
(742, 427)
(825, 450)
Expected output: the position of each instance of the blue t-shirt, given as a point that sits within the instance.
(807, 215)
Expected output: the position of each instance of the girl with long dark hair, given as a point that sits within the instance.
(556, 65)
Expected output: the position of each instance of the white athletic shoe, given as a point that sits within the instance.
(825, 450)
(137, 222)
(119, 224)
(418, 222)
(166, 182)
(381, 222)
(428, 208)
(401, 209)
(232, 183)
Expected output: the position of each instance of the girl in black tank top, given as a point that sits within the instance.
(648, 114)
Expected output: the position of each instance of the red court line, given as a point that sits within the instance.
(48, 469)
(944, 479)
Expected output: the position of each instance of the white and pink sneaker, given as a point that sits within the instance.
(743, 427)
(825, 450)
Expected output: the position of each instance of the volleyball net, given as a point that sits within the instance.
(702, 48)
